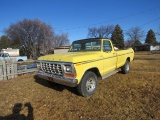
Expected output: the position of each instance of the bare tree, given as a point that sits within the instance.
(47, 39)
(100, 32)
(135, 33)
(131, 43)
(128, 43)
(61, 40)
(31, 34)
(93, 32)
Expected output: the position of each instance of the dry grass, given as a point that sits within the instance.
(133, 96)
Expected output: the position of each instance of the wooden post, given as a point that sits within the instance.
(1, 71)
(4, 70)
(8, 71)
(12, 70)
(15, 70)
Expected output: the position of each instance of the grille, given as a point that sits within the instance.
(52, 68)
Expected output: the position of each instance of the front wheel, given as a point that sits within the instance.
(88, 84)
(125, 68)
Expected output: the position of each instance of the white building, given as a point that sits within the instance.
(11, 52)
(148, 47)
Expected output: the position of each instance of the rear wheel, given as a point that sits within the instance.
(126, 67)
(20, 60)
(88, 84)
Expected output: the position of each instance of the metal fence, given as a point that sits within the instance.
(10, 69)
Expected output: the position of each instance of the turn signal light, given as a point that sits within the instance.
(70, 75)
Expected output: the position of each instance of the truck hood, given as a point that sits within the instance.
(73, 57)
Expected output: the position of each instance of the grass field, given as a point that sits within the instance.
(134, 96)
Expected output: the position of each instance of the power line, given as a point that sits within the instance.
(130, 15)
(150, 22)
(147, 23)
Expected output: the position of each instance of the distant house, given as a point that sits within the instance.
(148, 47)
(62, 49)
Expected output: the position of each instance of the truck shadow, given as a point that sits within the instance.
(55, 86)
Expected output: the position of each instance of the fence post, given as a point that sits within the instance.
(4, 70)
(1, 70)
(15, 69)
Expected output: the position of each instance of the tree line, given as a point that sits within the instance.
(34, 36)
(115, 33)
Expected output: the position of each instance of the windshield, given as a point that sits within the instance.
(86, 45)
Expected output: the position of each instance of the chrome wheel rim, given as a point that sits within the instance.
(90, 85)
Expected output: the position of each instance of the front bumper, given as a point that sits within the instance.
(58, 79)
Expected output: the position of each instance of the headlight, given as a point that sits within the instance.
(68, 69)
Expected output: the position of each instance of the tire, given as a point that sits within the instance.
(126, 67)
(88, 84)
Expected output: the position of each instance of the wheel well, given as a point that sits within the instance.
(128, 59)
(96, 71)
(20, 60)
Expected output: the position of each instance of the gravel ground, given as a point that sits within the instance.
(133, 96)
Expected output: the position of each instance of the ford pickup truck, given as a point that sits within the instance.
(86, 62)
(4, 56)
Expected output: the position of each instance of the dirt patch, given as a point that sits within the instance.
(132, 96)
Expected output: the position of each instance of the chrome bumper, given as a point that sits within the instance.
(58, 79)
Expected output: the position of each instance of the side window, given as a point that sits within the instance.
(77, 47)
(107, 46)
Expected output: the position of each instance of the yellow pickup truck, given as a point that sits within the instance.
(86, 62)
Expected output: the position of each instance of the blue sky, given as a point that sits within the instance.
(75, 16)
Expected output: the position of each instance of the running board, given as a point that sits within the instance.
(110, 73)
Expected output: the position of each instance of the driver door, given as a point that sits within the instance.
(109, 57)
